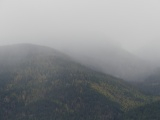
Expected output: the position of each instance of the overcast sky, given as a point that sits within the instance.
(134, 24)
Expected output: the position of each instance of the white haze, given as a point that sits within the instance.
(131, 24)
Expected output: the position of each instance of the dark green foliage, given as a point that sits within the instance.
(43, 84)
(147, 112)
(53, 88)
(151, 85)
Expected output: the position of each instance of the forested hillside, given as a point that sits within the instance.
(151, 85)
(40, 83)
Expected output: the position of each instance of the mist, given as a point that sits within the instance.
(106, 32)
(68, 59)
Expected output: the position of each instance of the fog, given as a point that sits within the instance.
(133, 24)
(91, 26)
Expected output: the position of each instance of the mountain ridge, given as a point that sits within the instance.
(54, 86)
(111, 59)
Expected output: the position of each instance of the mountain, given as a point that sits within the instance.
(147, 112)
(111, 59)
(151, 84)
(40, 83)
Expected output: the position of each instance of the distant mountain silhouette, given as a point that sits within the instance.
(111, 59)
